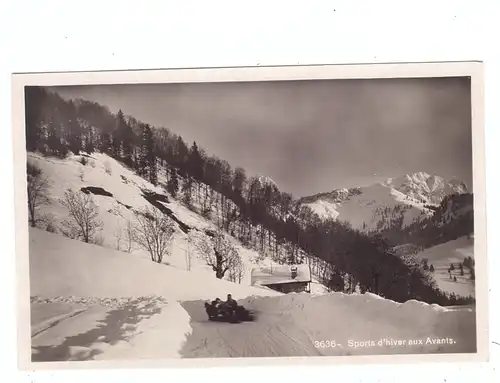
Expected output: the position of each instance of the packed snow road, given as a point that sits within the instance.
(264, 337)
(333, 325)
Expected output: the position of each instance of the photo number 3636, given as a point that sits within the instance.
(326, 344)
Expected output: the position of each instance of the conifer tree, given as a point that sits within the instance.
(142, 160)
(34, 101)
(195, 163)
(127, 137)
(105, 144)
(181, 155)
(173, 183)
(53, 140)
(187, 191)
(89, 141)
(147, 159)
(238, 183)
(426, 265)
(74, 133)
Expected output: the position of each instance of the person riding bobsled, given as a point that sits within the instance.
(229, 306)
(213, 307)
(230, 302)
(216, 303)
(227, 310)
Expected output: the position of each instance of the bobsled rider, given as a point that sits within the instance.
(216, 303)
(231, 302)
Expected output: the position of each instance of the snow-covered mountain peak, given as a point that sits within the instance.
(426, 188)
(397, 200)
(459, 186)
(411, 178)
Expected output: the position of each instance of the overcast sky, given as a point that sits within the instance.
(313, 136)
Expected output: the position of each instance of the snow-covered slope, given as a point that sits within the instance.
(396, 201)
(60, 265)
(90, 302)
(442, 256)
(115, 211)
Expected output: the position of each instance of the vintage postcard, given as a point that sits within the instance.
(200, 217)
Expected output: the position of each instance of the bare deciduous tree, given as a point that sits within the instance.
(218, 252)
(50, 222)
(129, 236)
(237, 271)
(118, 237)
(125, 237)
(38, 192)
(84, 213)
(126, 234)
(153, 231)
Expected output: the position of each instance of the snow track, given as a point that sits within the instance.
(39, 328)
(264, 337)
(330, 325)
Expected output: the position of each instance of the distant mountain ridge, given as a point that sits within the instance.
(337, 195)
(396, 201)
(430, 189)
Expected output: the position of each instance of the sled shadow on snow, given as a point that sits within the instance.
(110, 330)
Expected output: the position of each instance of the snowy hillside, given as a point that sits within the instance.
(441, 257)
(394, 202)
(125, 194)
(89, 302)
(119, 192)
(95, 271)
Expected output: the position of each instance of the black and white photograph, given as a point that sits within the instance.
(319, 217)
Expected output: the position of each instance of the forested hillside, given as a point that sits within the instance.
(452, 218)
